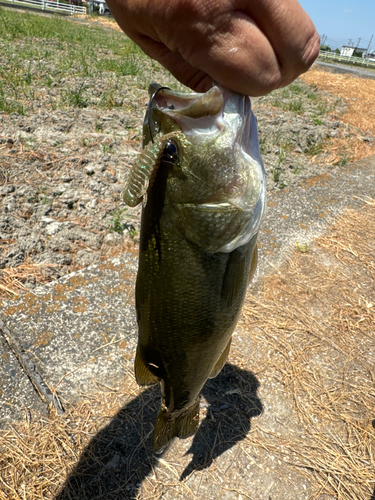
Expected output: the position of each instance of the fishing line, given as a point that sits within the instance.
(149, 109)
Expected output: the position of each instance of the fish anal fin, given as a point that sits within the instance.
(221, 361)
(143, 375)
(169, 426)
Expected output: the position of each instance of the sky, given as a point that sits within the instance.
(343, 20)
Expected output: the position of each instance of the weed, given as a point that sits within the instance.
(301, 248)
(107, 148)
(314, 147)
(116, 225)
(317, 121)
(27, 78)
(10, 106)
(342, 161)
(295, 88)
(45, 200)
(75, 97)
(133, 233)
(297, 169)
(312, 96)
(324, 108)
(277, 103)
(296, 106)
(49, 81)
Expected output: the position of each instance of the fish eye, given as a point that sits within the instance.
(171, 148)
(170, 153)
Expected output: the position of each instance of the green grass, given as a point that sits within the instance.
(294, 105)
(40, 53)
(291, 98)
(116, 224)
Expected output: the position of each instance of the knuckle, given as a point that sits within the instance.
(311, 50)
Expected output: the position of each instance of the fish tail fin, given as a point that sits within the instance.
(168, 426)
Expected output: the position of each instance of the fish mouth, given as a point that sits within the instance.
(194, 114)
(192, 105)
(198, 116)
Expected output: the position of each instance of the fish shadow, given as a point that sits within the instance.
(232, 403)
(120, 456)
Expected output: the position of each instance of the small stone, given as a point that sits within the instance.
(90, 170)
(113, 239)
(92, 203)
(53, 228)
(7, 189)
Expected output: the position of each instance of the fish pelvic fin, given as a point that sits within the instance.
(221, 361)
(169, 426)
(143, 375)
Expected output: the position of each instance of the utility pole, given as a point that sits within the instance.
(355, 50)
(369, 44)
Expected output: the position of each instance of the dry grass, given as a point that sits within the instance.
(353, 148)
(358, 93)
(310, 328)
(13, 279)
(318, 316)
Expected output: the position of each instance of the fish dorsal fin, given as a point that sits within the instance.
(221, 361)
(169, 426)
(142, 374)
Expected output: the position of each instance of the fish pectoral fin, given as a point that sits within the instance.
(221, 361)
(169, 426)
(143, 375)
(211, 225)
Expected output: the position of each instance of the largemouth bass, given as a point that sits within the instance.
(202, 183)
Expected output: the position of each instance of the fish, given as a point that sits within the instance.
(201, 182)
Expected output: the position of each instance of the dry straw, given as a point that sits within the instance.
(358, 94)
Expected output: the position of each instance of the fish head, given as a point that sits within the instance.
(217, 158)
(209, 144)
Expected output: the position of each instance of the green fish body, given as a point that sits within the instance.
(201, 181)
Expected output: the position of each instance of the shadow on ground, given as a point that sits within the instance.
(120, 456)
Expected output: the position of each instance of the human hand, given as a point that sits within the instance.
(249, 46)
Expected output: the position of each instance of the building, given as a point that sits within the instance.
(348, 51)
